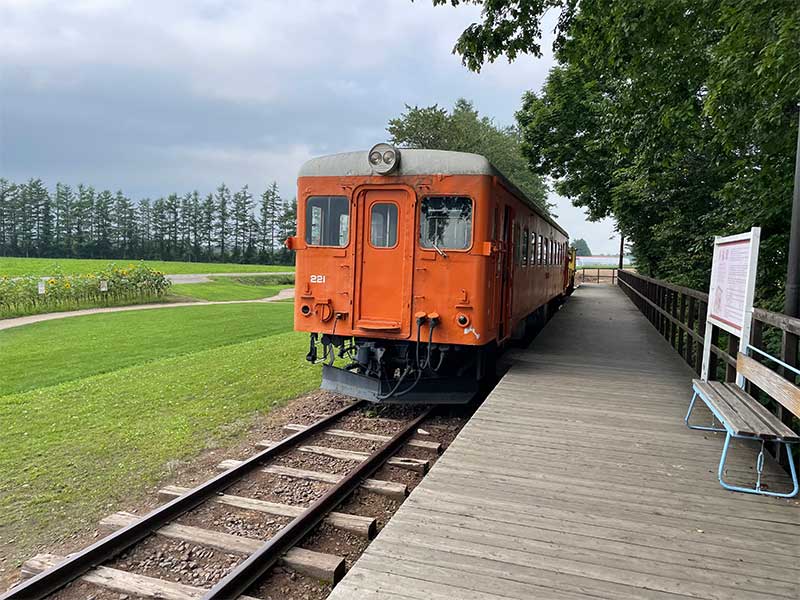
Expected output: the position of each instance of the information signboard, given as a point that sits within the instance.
(733, 283)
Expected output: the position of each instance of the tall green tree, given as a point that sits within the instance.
(270, 212)
(242, 207)
(679, 119)
(581, 247)
(464, 130)
(223, 198)
(103, 226)
(208, 211)
(287, 227)
(64, 219)
(8, 217)
(84, 232)
(144, 224)
(123, 227)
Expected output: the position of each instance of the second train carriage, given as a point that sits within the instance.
(414, 267)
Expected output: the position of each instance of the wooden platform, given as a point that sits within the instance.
(577, 479)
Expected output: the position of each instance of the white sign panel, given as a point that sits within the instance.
(733, 284)
(727, 296)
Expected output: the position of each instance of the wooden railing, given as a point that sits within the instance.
(596, 275)
(679, 314)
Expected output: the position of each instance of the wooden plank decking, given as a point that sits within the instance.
(577, 479)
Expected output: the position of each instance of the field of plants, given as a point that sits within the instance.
(113, 286)
(95, 409)
(46, 267)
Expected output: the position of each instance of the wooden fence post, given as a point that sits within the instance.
(690, 323)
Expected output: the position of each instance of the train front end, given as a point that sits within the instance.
(392, 280)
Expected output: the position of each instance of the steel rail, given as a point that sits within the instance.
(257, 564)
(49, 581)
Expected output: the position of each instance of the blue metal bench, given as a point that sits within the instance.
(744, 417)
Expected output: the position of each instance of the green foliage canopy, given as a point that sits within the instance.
(679, 119)
(581, 247)
(464, 130)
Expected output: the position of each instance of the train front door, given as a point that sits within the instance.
(385, 260)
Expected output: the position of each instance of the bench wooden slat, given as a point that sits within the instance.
(780, 389)
(744, 414)
(762, 413)
(742, 407)
(710, 391)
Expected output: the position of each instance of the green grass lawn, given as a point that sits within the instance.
(53, 352)
(69, 452)
(94, 409)
(249, 287)
(16, 267)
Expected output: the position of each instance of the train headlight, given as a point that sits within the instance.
(383, 158)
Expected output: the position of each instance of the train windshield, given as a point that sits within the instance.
(327, 220)
(446, 222)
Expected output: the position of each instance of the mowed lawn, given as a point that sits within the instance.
(42, 267)
(52, 352)
(108, 405)
(247, 287)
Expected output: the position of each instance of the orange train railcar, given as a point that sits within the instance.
(414, 267)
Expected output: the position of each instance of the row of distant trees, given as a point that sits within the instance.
(81, 222)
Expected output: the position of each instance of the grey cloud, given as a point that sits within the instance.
(155, 97)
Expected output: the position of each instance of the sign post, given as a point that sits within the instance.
(730, 296)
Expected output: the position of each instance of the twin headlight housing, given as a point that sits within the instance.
(383, 158)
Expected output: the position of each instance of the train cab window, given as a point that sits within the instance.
(525, 247)
(446, 222)
(383, 225)
(327, 220)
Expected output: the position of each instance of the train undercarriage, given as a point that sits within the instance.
(413, 372)
(391, 371)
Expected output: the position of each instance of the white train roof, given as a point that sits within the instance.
(415, 161)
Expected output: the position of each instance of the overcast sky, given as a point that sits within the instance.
(154, 97)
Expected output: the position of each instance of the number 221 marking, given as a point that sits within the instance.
(318, 279)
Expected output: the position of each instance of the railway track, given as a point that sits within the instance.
(247, 559)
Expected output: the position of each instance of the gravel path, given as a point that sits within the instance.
(19, 321)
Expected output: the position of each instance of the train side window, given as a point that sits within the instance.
(538, 249)
(327, 221)
(446, 222)
(532, 260)
(383, 225)
(546, 252)
(525, 246)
